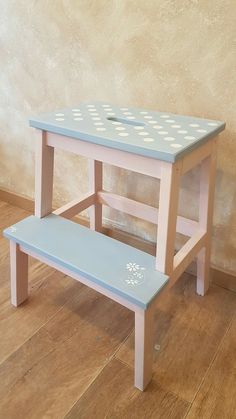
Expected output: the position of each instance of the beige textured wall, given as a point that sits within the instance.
(176, 56)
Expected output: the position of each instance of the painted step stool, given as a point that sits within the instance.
(164, 146)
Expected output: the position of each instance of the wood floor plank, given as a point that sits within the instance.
(113, 396)
(47, 374)
(188, 329)
(48, 290)
(217, 395)
(10, 215)
(48, 293)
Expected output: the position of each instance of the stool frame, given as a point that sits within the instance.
(199, 232)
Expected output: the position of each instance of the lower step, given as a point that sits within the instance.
(114, 266)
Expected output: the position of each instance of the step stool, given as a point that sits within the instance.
(157, 144)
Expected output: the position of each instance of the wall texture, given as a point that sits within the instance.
(170, 55)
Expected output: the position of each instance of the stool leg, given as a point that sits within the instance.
(19, 274)
(144, 322)
(167, 218)
(44, 161)
(95, 185)
(207, 186)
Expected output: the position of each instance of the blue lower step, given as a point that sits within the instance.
(122, 269)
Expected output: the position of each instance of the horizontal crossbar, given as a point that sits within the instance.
(187, 253)
(146, 212)
(75, 207)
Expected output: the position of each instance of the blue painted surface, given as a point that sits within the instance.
(120, 268)
(159, 135)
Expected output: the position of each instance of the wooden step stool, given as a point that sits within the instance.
(164, 146)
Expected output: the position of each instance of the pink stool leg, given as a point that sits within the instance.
(95, 185)
(206, 202)
(44, 160)
(19, 274)
(144, 321)
(168, 206)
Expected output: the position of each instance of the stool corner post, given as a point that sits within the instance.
(19, 274)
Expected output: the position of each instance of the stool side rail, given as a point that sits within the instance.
(119, 299)
(146, 212)
(129, 161)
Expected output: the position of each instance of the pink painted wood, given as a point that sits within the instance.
(44, 159)
(168, 206)
(76, 206)
(145, 212)
(19, 274)
(206, 201)
(95, 185)
(130, 161)
(144, 342)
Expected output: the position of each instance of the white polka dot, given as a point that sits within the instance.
(120, 128)
(101, 129)
(138, 127)
(201, 130)
(148, 140)
(76, 110)
(152, 122)
(212, 124)
(124, 109)
(108, 109)
(94, 114)
(98, 123)
(91, 110)
(170, 121)
(169, 139)
(106, 106)
(194, 125)
(127, 113)
(189, 137)
(130, 117)
(143, 133)
(77, 114)
(176, 126)
(59, 114)
(182, 131)
(60, 119)
(162, 132)
(157, 127)
(110, 113)
(148, 117)
(176, 145)
(123, 134)
(164, 116)
(90, 106)
(144, 113)
(96, 118)
(78, 119)
(116, 123)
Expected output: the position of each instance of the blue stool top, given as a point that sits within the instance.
(160, 135)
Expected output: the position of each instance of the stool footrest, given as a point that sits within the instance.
(114, 266)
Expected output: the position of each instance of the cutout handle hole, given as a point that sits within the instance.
(126, 122)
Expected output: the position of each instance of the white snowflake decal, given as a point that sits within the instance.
(13, 229)
(135, 274)
(132, 281)
(132, 267)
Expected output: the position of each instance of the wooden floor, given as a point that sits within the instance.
(68, 351)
